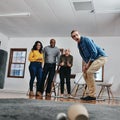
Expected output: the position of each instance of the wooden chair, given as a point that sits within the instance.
(53, 90)
(106, 85)
(79, 84)
(56, 84)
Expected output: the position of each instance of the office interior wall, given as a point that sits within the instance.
(110, 44)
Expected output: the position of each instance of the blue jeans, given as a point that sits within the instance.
(35, 69)
(49, 69)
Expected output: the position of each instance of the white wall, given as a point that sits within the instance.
(112, 48)
(4, 42)
(110, 44)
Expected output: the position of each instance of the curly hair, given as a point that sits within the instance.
(35, 46)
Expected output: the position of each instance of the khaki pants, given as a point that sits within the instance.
(89, 74)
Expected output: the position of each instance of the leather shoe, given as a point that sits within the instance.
(48, 94)
(88, 98)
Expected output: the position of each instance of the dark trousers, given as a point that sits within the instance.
(35, 69)
(65, 73)
(48, 70)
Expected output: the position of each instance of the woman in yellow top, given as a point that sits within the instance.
(35, 67)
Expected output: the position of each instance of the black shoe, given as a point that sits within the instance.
(88, 98)
(82, 98)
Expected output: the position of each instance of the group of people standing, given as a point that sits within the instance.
(43, 65)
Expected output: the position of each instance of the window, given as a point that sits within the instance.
(17, 62)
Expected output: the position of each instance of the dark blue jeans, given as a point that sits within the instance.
(48, 69)
(35, 69)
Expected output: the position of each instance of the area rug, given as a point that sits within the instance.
(30, 109)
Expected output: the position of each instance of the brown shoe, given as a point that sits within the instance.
(48, 94)
(31, 93)
(62, 95)
(38, 93)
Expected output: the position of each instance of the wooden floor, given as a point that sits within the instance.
(115, 101)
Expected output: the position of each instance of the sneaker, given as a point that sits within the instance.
(31, 93)
(69, 96)
(38, 93)
(88, 98)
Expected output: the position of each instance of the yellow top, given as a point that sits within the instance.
(36, 56)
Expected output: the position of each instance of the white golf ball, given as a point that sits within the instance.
(61, 116)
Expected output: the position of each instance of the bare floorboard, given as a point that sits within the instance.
(115, 101)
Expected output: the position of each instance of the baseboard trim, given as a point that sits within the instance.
(13, 91)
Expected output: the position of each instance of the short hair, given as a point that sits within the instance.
(52, 40)
(74, 31)
(67, 49)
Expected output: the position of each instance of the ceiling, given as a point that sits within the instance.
(59, 17)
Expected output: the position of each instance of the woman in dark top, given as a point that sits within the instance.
(66, 62)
